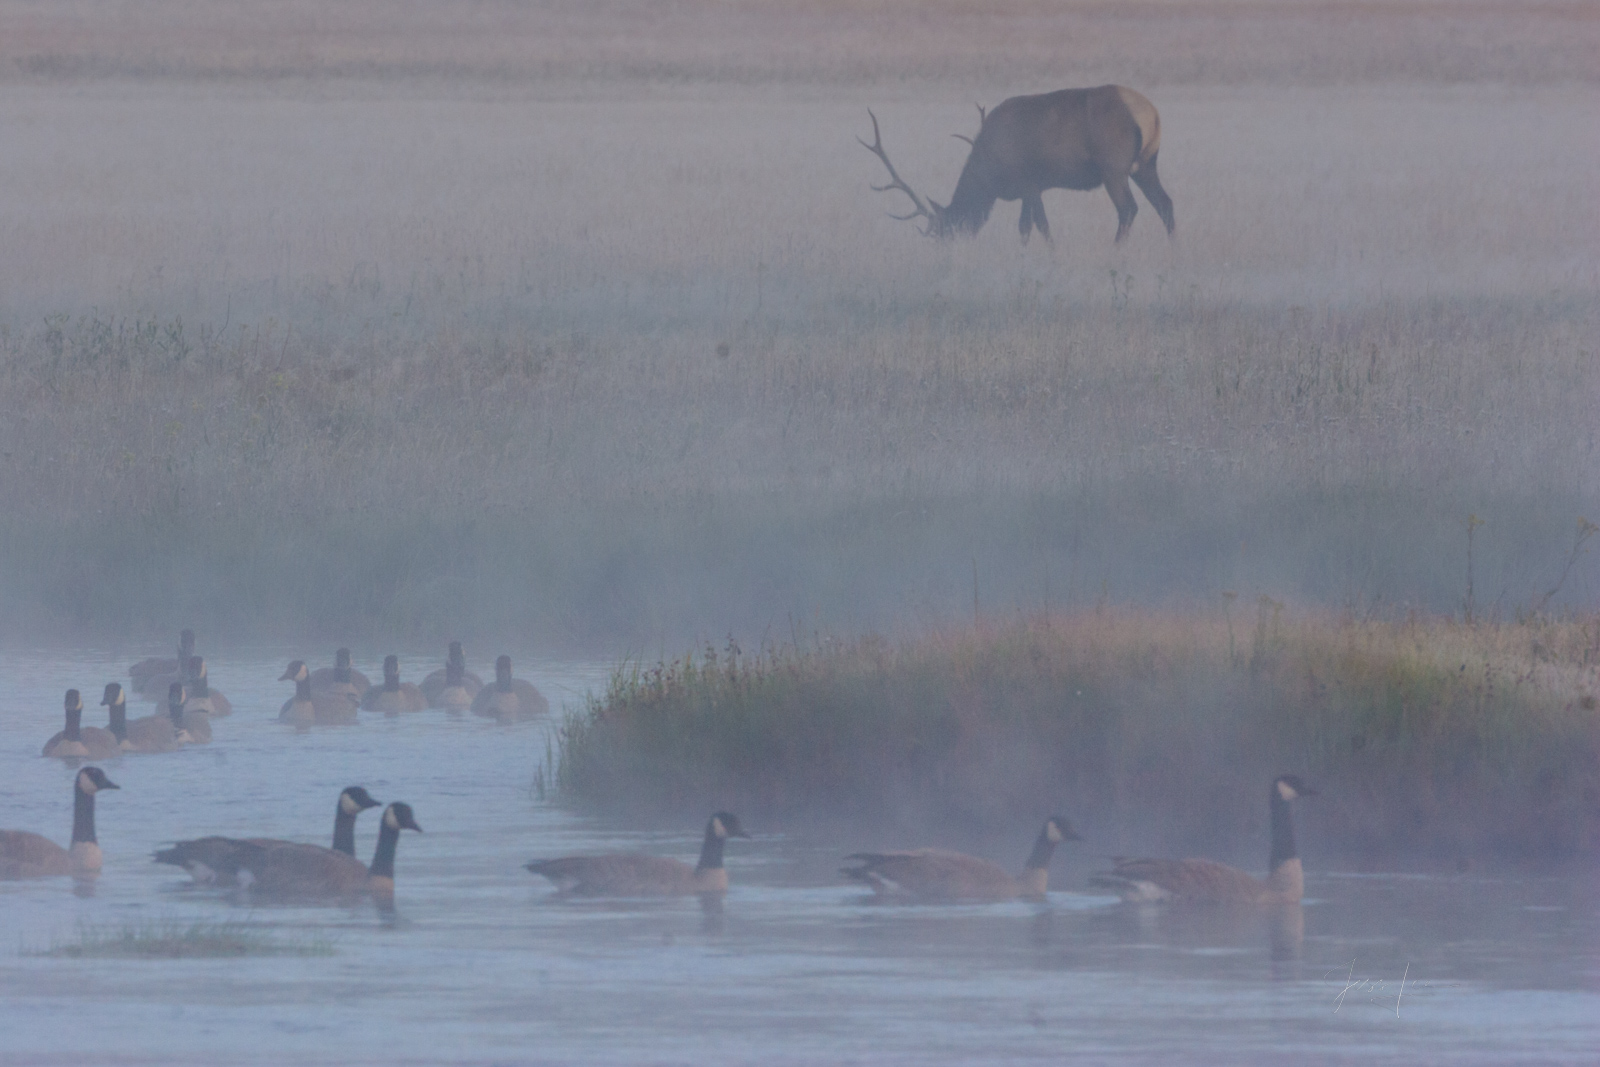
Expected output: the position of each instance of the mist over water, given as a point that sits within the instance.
(577, 330)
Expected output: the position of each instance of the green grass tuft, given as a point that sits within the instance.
(165, 939)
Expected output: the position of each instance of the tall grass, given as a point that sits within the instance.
(1156, 730)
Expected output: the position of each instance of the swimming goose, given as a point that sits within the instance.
(190, 727)
(509, 699)
(291, 870)
(307, 707)
(340, 678)
(28, 855)
(939, 874)
(1208, 880)
(149, 733)
(393, 696)
(452, 686)
(78, 741)
(201, 696)
(216, 860)
(152, 676)
(633, 874)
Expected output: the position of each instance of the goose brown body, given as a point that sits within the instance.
(393, 696)
(217, 860)
(340, 678)
(189, 727)
(452, 686)
(942, 875)
(634, 874)
(24, 854)
(308, 706)
(294, 870)
(76, 741)
(1207, 881)
(199, 694)
(151, 677)
(509, 699)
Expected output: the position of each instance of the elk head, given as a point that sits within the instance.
(935, 213)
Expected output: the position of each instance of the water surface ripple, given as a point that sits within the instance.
(480, 965)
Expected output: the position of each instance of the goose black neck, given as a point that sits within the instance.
(83, 817)
(199, 686)
(383, 858)
(711, 852)
(302, 688)
(175, 713)
(341, 674)
(454, 673)
(74, 724)
(1043, 849)
(119, 722)
(391, 683)
(1282, 831)
(344, 832)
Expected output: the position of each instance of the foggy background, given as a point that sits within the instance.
(581, 321)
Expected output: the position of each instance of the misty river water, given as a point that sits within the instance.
(479, 963)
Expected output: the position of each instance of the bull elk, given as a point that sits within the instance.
(1071, 139)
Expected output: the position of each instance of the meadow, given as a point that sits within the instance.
(582, 322)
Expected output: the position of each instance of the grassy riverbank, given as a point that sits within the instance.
(1155, 731)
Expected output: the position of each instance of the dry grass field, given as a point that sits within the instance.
(581, 319)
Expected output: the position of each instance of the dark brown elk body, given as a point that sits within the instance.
(1071, 139)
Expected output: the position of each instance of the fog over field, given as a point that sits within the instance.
(582, 321)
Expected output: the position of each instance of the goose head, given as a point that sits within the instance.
(295, 672)
(725, 824)
(391, 672)
(1290, 786)
(502, 673)
(1057, 829)
(355, 799)
(74, 702)
(176, 695)
(114, 695)
(398, 816)
(92, 779)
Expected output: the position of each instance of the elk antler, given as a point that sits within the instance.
(896, 182)
(983, 116)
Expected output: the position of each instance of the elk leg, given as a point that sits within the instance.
(1149, 183)
(1122, 196)
(1033, 203)
(1025, 221)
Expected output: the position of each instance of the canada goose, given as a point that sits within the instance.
(27, 855)
(508, 699)
(78, 741)
(452, 686)
(149, 733)
(216, 860)
(190, 727)
(201, 696)
(1208, 880)
(151, 677)
(292, 870)
(307, 707)
(341, 677)
(633, 874)
(393, 696)
(939, 874)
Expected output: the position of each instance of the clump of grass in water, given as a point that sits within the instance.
(163, 939)
(1428, 735)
